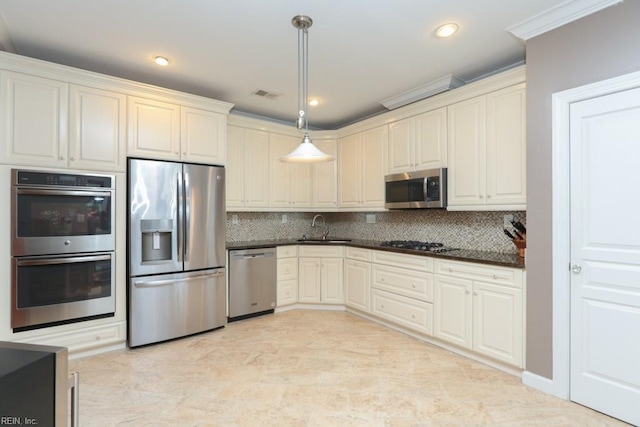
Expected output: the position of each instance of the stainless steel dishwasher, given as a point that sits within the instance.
(252, 282)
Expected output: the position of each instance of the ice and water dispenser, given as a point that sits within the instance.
(156, 239)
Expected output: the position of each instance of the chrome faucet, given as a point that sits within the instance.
(325, 233)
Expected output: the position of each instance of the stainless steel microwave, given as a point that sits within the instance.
(426, 189)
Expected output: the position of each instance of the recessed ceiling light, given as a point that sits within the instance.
(446, 30)
(313, 102)
(161, 60)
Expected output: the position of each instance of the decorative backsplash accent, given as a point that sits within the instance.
(465, 230)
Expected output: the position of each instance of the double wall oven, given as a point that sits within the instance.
(62, 247)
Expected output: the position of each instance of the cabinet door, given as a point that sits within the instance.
(309, 279)
(373, 152)
(287, 292)
(431, 140)
(235, 174)
(357, 280)
(24, 102)
(332, 281)
(349, 171)
(466, 158)
(325, 188)
(256, 187)
(497, 322)
(506, 147)
(203, 136)
(97, 129)
(300, 179)
(402, 136)
(280, 172)
(154, 129)
(452, 310)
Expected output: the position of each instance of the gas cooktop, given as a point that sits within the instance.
(418, 246)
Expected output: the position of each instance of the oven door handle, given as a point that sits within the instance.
(65, 260)
(41, 192)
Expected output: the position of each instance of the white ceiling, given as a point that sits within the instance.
(360, 51)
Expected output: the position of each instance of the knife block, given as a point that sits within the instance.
(521, 244)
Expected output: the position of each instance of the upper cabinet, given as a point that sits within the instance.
(361, 169)
(247, 171)
(58, 116)
(163, 130)
(487, 148)
(324, 177)
(47, 122)
(418, 142)
(289, 183)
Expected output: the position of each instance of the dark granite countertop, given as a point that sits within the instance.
(481, 257)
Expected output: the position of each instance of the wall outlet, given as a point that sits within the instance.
(284, 218)
(507, 221)
(371, 218)
(234, 219)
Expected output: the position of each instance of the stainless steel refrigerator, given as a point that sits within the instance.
(176, 250)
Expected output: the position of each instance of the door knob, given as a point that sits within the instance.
(576, 269)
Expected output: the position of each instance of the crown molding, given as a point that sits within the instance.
(558, 16)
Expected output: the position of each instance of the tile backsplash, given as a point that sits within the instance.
(465, 230)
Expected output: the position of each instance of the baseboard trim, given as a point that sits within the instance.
(541, 383)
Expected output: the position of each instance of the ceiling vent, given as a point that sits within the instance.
(265, 94)
(442, 84)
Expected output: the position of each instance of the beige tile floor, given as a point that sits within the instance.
(309, 368)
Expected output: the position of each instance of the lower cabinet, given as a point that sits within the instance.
(320, 274)
(480, 308)
(357, 279)
(402, 290)
(287, 273)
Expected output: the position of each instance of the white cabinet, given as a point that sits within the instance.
(164, 130)
(320, 274)
(287, 273)
(402, 290)
(47, 122)
(487, 149)
(481, 308)
(357, 278)
(247, 169)
(361, 169)
(289, 183)
(324, 177)
(418, 142)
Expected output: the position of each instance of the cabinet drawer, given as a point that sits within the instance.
(287, 292)
(321, 251)
(412, 284)
(286, 251)
(490, 274)
(404, 311)
(287, 268)
(414, 262)
(357, 254)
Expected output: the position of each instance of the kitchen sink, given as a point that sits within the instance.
(324, 240)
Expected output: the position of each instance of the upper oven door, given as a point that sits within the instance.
(58, 221)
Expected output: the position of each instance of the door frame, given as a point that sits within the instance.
(559, 385)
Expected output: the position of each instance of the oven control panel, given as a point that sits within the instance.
(51, 179)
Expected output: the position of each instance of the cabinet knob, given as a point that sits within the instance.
(495, 277)
(61, 157)
(488, 196)
(381, 305)
(382, 279)
(475, 293)
(467, 292)
(413, 285)
(73, 159)
(450, 270)
(413, 316)
(481, 196)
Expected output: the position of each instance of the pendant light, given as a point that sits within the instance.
(306, 152)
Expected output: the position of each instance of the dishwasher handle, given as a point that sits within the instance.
(252, 255)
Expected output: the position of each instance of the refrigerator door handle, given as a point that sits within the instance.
(180, 214)
(165, 282)
(187, 214)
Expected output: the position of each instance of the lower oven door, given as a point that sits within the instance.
(59, 289)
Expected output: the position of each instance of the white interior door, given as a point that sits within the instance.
(605, 254)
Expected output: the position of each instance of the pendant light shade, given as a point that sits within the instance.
(306, 152)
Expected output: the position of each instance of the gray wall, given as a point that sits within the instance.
(597, 47)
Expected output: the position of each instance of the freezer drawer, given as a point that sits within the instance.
(170, 306)
(252, 282)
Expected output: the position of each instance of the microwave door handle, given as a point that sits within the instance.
(180, 214)
(425, 186)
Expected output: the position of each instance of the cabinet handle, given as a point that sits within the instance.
(382, 278)
(61, 157)
(413, 316)
(413, 285)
